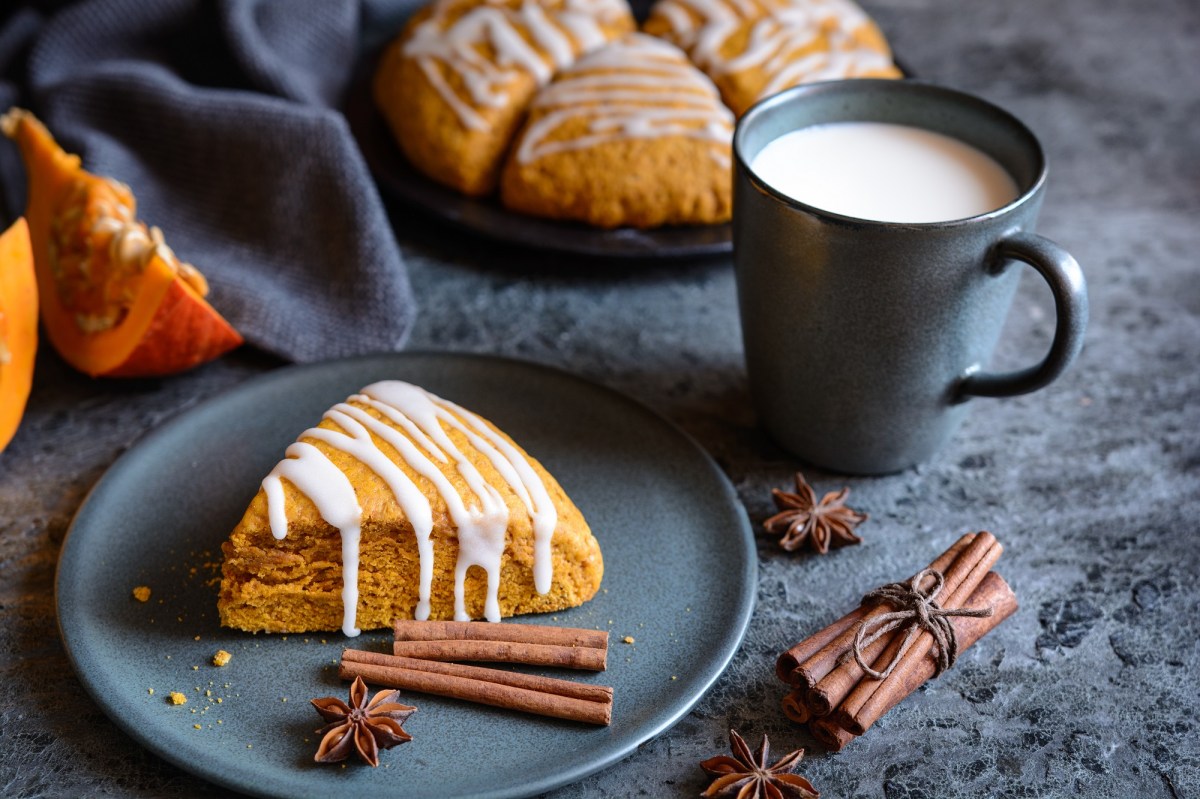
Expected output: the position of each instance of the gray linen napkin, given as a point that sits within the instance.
(222, 117)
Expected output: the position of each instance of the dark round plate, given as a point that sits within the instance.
(680, 573)
(398, 179)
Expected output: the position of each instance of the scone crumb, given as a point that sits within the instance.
(150, 691)
(629, 639)
(176, 698)
(142, 593)
(221, 658)
(197, 727)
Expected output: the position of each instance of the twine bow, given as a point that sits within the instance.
(917, 609)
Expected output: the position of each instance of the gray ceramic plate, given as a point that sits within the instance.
(679, 578)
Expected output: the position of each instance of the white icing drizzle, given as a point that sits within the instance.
(416, 427)
(356, 442)
(717, 20)
(826, 65)
(680, 21)
(468, 115)
(524, 481)
(777, 32)
(315, 476)
(523, 38)
(651, 91)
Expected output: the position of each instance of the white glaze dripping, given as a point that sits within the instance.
(481, 528)
(524, 481)
(420, 437)
(778, 30)
(774, 38)
(356, 442)
(315, 476)
(846, 61)
(557, 37)
(652, 92)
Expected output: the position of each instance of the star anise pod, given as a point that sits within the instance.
(802, 520)
(362, 727)
(747, 776)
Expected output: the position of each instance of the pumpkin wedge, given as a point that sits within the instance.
(18, 327)
(115, 300)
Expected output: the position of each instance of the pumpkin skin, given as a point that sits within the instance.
(115, 300)
(18, 327)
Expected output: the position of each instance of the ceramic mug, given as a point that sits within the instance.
(864, 339)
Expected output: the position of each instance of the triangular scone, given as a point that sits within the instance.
(631, 134)
(419, 508)
(753, 49)
(456, 83)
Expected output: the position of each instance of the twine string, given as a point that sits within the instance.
(918, 610)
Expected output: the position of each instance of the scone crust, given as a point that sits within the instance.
(630, 181)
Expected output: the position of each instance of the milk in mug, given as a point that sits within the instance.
(884, 172)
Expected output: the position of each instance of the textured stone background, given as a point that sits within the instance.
(1094, 484)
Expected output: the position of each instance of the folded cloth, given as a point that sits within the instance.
(222, 118)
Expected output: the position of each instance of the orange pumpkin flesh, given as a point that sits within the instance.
(18, 327)
(115, 300)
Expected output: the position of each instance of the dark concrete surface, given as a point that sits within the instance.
(1093, 484)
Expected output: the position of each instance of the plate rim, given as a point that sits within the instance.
(732, 640)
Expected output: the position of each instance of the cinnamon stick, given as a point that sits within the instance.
(809, 672)
(962, 577)
(568, 657)
(830, 733)
(544, 696)
(872, 698)
(831, 689)
(411, 630)
(794, 707)
(790, 660)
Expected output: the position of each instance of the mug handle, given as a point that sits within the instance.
(1062, 272)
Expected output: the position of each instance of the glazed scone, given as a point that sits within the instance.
(456, 83)
(400, 504)
(631, 134)
(753, 49)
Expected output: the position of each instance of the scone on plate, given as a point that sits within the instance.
(400, 504)
(631, 134)
(456, 83)
(753, 49)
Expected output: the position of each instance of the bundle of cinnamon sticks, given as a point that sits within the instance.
(831, 692)
(422, 649)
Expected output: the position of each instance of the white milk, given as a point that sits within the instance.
(884, 172)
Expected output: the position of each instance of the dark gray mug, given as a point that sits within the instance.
(863, 339)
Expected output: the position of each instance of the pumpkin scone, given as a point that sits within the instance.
(753, 49)
(631, 134)
(456, 83)
(401, 505)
